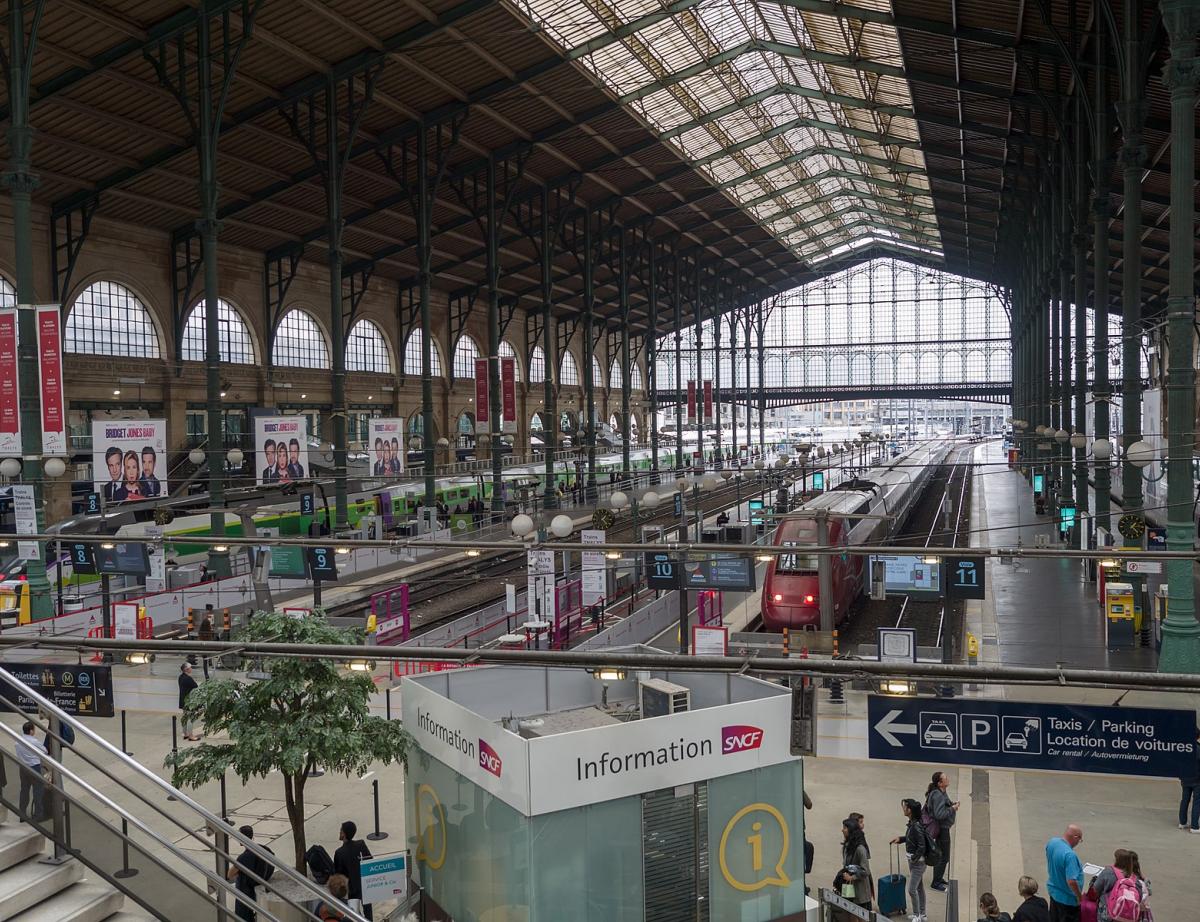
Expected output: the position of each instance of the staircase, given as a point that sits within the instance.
(31, 891)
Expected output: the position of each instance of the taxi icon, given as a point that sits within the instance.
(938, 733)
(1016, 741)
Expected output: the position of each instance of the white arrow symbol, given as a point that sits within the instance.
(888, 728)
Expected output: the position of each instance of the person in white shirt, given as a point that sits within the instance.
(30, 752)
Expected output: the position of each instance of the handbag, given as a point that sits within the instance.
(849, 891)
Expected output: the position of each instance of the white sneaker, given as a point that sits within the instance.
(1195, 832)
(1183, 825)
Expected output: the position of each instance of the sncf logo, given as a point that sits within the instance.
(740, 738)
(489, 759)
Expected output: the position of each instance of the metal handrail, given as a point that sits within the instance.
(211, 819)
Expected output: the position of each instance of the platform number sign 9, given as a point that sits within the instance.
(322, 564)
(964, 577)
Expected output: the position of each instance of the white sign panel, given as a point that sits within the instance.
(897, 645)
(25, 515)
(129, 459)
(281, 448)
(709, 641)
(539, 596)
(385, 446)
(1143, 566)
(594, 588)
(383, 879)
(156, 579)
(125, 618)
(603, 763)
(484, 752)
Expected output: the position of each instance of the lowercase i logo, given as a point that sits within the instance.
(740, 738)
(489, 759)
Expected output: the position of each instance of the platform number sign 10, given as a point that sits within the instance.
(964, 577)
(662, 571)
(322, 564)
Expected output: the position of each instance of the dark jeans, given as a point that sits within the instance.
(31, 783)
(1061, 913)
(1191, 792)
(939, 869)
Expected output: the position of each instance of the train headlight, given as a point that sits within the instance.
(778, 597)
(809, 599)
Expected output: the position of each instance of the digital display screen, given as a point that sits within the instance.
(719, 571)
(123, 559)
(1039, 483)
(908, 573)
(818, 480)
(288, 562)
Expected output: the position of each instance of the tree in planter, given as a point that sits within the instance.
(308, 712)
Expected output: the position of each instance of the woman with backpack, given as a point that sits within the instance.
(854, 881)
(917, 846)
(938, 816)
(1117, 891)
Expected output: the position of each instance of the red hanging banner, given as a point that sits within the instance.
(10, 390)
(691, 406)
(483, 409)
(708, 407)
(508, 394)
(54, 409)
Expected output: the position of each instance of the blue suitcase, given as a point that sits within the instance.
(892, 895)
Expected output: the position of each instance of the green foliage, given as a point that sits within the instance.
(310, 711)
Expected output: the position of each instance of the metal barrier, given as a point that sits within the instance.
(830, 900)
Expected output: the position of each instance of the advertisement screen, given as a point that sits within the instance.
(129, 459)
(385, 446)
(281, 448)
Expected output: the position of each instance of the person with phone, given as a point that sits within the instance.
(942, 811)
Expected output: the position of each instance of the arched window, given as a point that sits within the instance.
(299, 342)
(109, 319)
(537, 365)
(412, 355)
(508, 352)
(366, 349)
(8, 294)
(615, 379)
(568, 371)
(597, 373)
(465, 354)
(237, 348)
(635, 378)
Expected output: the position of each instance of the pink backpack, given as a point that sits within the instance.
(1125, 899)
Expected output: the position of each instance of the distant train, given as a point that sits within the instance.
(887, 494)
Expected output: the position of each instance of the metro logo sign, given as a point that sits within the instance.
(489, 759)
(740, 738)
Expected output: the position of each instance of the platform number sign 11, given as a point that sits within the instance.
(964, 576)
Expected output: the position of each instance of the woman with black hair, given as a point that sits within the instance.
(943, 811)
(917, 847)
(854, 880)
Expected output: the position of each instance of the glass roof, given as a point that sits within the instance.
(803, 118)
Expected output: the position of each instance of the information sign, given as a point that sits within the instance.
(92, 504)
(539, 585)
(383, 878)
(25, 516)
(1066, 517)
(125, 620)
(80, 690)
(307, 504)
(288, 562)
(818, 480)
(719, 571)
(1153, 742)
(709, 641)
(965, 577)
(909, 573)
(594, 572)
(123, 559)
(678, 504)
(83, 558)
(756, 511)
(662, 571)
(897, 644)
(322, 564)
(1039, 483)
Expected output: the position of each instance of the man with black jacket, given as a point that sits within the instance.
(1034, 907)
(346, 859)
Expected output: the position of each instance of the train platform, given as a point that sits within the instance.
(1037, 612)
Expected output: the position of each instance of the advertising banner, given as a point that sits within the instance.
(385, 448)
(129, 459)
(708, 400)
(483, 409)
(508, 394)
(10, 390)
(691, 401)
(25, 516)
(593, 568)
(281, 448)
(54, 404)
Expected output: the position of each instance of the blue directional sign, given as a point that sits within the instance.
(1152, 742)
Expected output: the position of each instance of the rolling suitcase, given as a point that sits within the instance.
(893, 888)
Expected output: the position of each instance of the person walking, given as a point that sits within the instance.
(990, 909)
(187, 685)
(1064, 875)
(917, 846)
(247, 873)
(943, 811)
(1190, 785)
(1033, 908)
(854, 879)
(346, 859)
(30, 753)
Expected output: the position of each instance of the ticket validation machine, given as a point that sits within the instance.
(1119, 615)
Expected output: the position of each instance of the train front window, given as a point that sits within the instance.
(795, 562)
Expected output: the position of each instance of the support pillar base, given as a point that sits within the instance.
(1180, 646)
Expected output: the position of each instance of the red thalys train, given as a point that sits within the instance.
(790, 595)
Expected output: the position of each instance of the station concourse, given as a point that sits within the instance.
(751, 402)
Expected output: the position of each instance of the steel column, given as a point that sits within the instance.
(550, 417)
(1080, 250)
(626, 371)
(1181, 633)
(424, 260)
(716, 327)
(21, 181)
(680, 387)
(495, 398)
(1100, 213)
(652, 363)
(589, 337)
(1064, 322)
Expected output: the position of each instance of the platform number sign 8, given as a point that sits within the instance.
(964, 577)
(322, 564)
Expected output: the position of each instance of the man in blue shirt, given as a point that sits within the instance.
(1064, 875)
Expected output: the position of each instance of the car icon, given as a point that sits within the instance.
(938, 733)
(1016, 741)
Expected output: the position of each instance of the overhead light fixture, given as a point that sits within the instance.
(222, 393)
(302, 396)
(613, 555)
(139, 659)
(116, 392)
(108, 545)
(370, 396)
(361, 665)
(896, 687)
(765, 558)
(1110, 562)
(221, 548)
(3, 544)
(609, 674)
(472, 552)
(931, 560)
(343, 551)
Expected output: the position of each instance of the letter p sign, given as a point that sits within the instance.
(981, 732)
